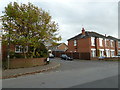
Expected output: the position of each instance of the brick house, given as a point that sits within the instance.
(118, 46)
(59, 47)
(13, 48)
(94, 43)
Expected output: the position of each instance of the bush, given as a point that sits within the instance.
(40, 52)
(15, 55)
(12, 54)
(18, 55)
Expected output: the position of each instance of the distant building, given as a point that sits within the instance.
(94, 43)
(59, 47)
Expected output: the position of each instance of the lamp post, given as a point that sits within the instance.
(8, 47)
(8, 53)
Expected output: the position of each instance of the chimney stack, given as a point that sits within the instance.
(105, 35)
(83, 31)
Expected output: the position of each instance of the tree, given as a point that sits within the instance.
(29, 25)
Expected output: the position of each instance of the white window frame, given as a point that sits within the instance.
(100, 41)
(118, 44)
(107, 52)
(17, 51)
(112, 52)
(75, 42)
(111, 43)
(92, 41)
(20, 47)
(118, 52)
(93, 52)
(101, 54)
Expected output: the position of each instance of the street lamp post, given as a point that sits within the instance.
(8, 54)
(8, 49)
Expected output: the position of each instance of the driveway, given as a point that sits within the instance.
(71, 74)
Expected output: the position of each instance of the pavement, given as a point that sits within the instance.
(13, 73)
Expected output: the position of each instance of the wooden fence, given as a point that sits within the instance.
(75, 55)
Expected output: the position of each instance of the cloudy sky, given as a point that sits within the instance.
(71, 15)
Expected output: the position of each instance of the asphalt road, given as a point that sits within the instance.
(71, 74)
(110, 82)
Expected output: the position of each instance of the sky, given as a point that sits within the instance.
(100, 16)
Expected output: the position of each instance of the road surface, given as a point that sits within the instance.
(71, 74)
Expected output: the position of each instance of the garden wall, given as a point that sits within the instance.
(23, 63)
(94, 58)
(75, 55)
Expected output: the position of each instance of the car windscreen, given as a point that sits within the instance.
(64, 55)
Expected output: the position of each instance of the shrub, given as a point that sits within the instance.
(12, 54)
(18, 55)
(40, 52)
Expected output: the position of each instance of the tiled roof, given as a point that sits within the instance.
(113, 38)
(55, 47)
(91, 34)
(87, 34)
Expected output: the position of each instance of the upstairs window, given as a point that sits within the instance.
(119, 44)
(93, 41)
(118, 52)
(75, 43)
(107, 43)
(112, 43)
(101, 41)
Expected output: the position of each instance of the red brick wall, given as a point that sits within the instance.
(83, 45)
(62, 47)
(4, 50)
(23, 63)
(71, 46)
(116, 48)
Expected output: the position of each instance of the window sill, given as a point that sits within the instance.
(18, 52)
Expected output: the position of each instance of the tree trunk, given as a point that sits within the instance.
(33, 54)
(24, 52)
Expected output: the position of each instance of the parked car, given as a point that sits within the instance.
(51, 55)
(117, 56)
(101, 58)
(65, 57)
